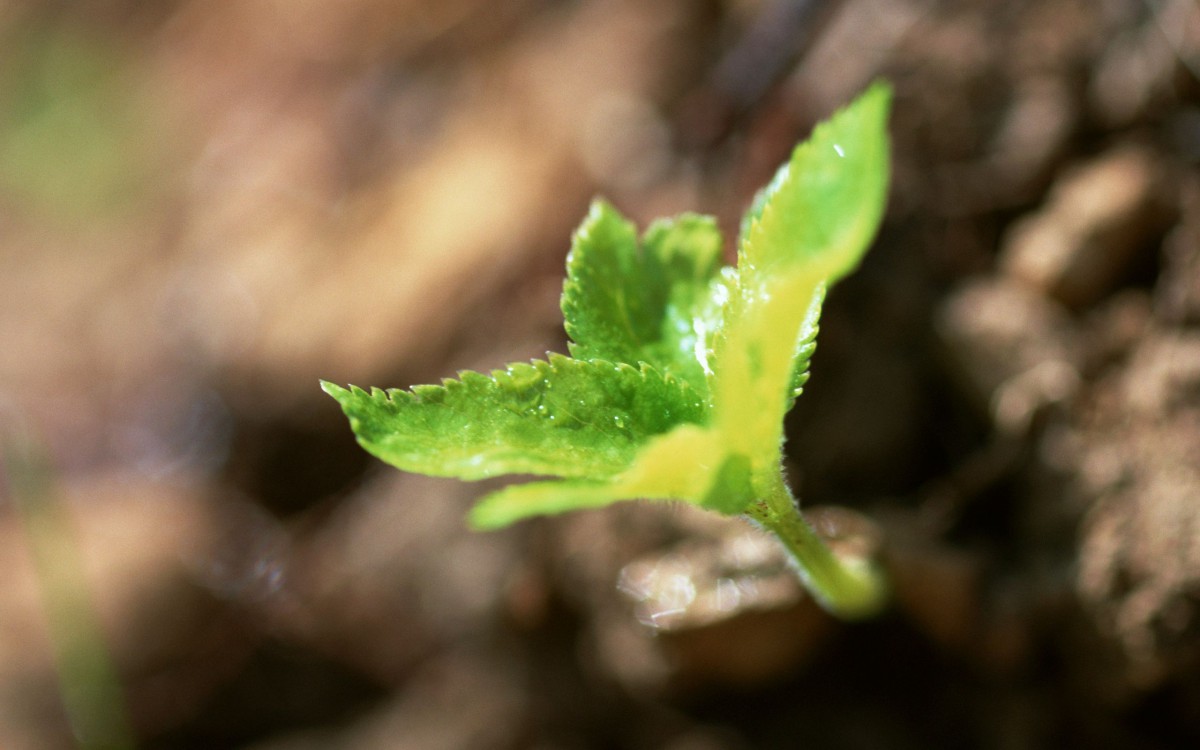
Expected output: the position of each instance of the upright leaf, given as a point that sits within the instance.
(810, 227)
(653, 301)
(824, 206)
(806, 345)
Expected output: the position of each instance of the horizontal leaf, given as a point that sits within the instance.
(561, 417)
(653, 301)
(688, 464)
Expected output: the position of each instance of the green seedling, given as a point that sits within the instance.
(681, 369)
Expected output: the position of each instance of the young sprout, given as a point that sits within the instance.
(681, 368)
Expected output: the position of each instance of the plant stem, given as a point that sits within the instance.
(849, 587)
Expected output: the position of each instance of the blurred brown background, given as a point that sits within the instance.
(207, 206)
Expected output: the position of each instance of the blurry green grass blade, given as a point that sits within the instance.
(688, 464)
(89, 681)
(653, 300)
(560, 417)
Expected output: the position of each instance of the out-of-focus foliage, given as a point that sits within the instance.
(78, 133)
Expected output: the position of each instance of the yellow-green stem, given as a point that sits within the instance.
(852, 589)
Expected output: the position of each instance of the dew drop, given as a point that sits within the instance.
(839, 151)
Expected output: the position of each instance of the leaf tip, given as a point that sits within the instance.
(600, 206)
(336, 391)
(879, 89)
(485, 516)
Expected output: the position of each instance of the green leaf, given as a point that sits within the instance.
(689, 464)
(561, 417)
(754, 211)
(683, 370)
(655, 301)
(806, 344)
(810, 227)
(824, 206)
